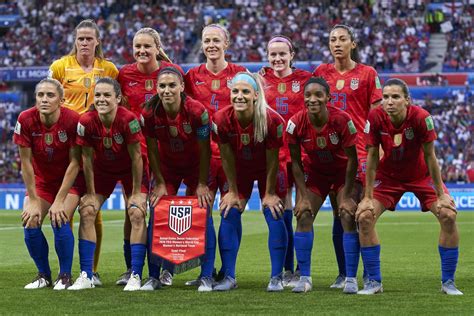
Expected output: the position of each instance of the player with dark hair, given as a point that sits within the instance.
(46, 136)
(406, 134)
(355, 88)
(328, 137)
(250, 134)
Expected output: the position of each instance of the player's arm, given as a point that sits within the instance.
(202, 190)
(89, 199)
(136, 199)
(367, 204)
(154, 160)
(32, 210)
(351, 171)
(231, 199)
(271, 200)
(302, 201)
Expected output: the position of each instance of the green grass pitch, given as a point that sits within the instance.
(410, 270)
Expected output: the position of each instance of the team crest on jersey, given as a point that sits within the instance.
(173, 131)
(118, 138)
(107, 141)
(18, 128)
(187, 128)
(295, 86)
(216, 84)
(245, 139)
(180, 218)
(409, 134)
(229, 83)
(62, 136)
(333, 138)
(282, 87)
(321, 141)
(354, 83)
(87, 82)
(149, 85)
(340, 84)
(397, 139)
(48, 138)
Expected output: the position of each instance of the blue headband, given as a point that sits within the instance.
(243, 76)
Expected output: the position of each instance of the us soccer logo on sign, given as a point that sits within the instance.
(180, 218)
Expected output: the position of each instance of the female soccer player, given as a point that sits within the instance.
(284, 93)
(49, 157)
(209, 84)
(110, 139)
(138, 84)
(250, 134)
(328, 137)
(406, 134)
(355, 88)
(183, 133)
(78, 72)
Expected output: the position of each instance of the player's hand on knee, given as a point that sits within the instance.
(302, 206)
(137, 201)
(275, 204)
(89, 200)
(366, 205)
(445, 201)
(156, 193)
(229, 201)
(31, 214)
(57, 214)
(204, 195)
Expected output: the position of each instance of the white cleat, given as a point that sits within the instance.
(275, 284)
(339, 282)
(63, 282)
(295, 279)
(227, 284)
(166, 278)
(124, 277)
(350, 286)
(82, 283)
(96, 279)
(450, 288)
(194, 282)
(40, 281)
(286, 278)
(134, 283)
(206, 284)
(151, 284)
(371, 288)
(305, 284)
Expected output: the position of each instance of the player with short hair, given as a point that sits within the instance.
(250, 134)
(110, 139)
(46, 137)
(177, 132)
(355, 88)
(209, 84)
(78, 72)
(138, 84)
(406, 134)
(283, 85)
(328, 137)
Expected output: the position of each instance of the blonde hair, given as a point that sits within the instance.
(157, 39)
(91, 25)
(221, 28)
(54, 82)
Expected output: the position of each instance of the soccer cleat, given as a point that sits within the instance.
(82, 283)
(295, 279)
(63, 281)
(305, 284)
(350, 286)
(166, 278)
(275, 284)
(134, 283)
(194, 282)
(287, 277)
(372, 287)
(151, 284)
(227, 284)
(339, 282)
(206, 284)
(96, 279)
(450, 288)
(39, 282)
(124, 277)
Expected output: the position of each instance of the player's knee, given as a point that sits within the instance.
(88, 214)
(305, 221)
(447, 217)
(136, 216)
(34, 223)
(346, 217)
(366, 221)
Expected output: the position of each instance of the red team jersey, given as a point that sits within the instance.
(250, 157)
(111, 155)
(285, 95)
(403, 157)
(324, 148)
(353, 92)
(49, 146)
(139, 87)
(178, 138)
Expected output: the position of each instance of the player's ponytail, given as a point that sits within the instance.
(260, 113)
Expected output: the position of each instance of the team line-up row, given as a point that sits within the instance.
(282, 127)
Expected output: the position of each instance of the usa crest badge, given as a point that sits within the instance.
(334, 138)
(282, 87)
(397, 139)
(295, 86)
(340, 84)
(107, 141)
(409, 134)
(62, 135)
(216, 84)
(48, 138)
(187, 128)
(354, 83)
(87, 82)
(173, 131)
(321, 142)
(118, 138)
(245, 139)
(180, 218)
(149, 85)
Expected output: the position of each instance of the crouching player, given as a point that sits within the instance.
(46, 136)
(110, 139)
(328, 137)
(406, 134)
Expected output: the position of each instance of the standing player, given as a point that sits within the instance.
(49, 157)
(328, 137)
(284, 93)
(183, 133)
(406, 134)
(355, 88)
(138, 83)
(209, 84)
(78, 72)
(110, 139)
(250, 134)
